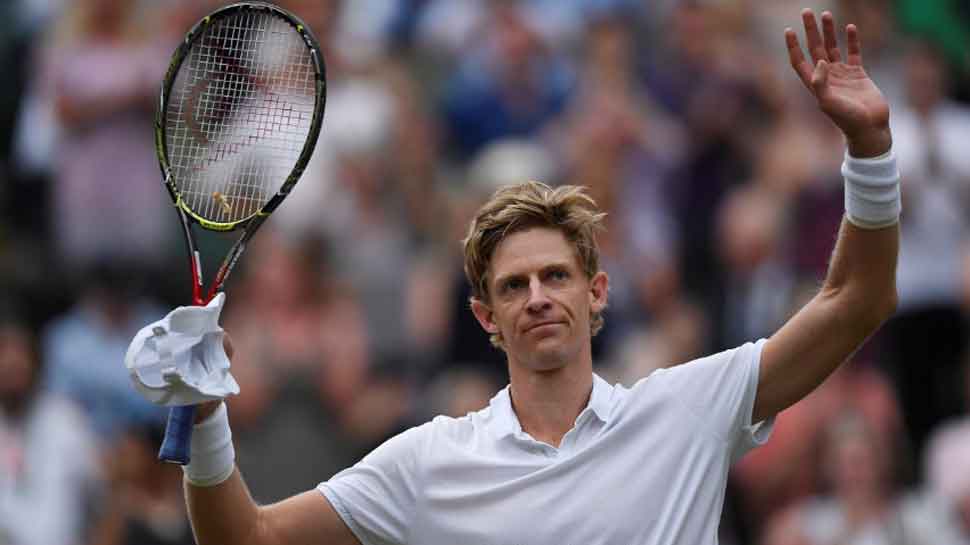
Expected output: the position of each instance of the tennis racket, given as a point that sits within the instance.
(240, 111)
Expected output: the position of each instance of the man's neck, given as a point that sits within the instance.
(548, 403)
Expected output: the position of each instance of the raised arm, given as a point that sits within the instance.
(226, 513)
(859, 291)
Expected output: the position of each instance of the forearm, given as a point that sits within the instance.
(862, 274)
(219, 503)
(225, 513)
(860, 286)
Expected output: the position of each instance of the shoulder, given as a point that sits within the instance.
(735, 360)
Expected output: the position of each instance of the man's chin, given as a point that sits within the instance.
(549, 355)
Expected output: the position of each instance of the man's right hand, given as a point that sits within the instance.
(203, 410)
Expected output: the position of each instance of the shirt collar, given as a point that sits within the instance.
(505, 422)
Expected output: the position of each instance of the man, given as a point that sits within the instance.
(560, 456)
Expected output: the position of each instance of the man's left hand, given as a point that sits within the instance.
(842, 88)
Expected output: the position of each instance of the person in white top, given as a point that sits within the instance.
(559, 456)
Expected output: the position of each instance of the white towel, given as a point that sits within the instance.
(180, 360)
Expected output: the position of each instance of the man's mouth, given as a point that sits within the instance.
(542, 324)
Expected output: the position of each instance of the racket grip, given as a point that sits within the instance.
(178, 435)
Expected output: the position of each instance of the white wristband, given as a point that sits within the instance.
(872, 199)
(212, 456)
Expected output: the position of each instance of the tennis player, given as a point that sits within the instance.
(560, 456)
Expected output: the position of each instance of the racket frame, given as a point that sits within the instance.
(176, 445)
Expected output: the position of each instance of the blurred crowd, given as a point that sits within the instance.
(349, 313)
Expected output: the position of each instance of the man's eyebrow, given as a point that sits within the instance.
(545, 268)
(499, 280)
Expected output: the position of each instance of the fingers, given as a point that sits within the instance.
(797, 58)
(227, 345)
(828, 32)
(854, 47)
(820, 77)
(822, 47)
(813, 38)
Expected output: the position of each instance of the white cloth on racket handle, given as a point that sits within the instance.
(180, 360)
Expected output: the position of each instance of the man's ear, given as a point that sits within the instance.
(483, 313)
(599, 289)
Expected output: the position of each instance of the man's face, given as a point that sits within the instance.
(540, 299)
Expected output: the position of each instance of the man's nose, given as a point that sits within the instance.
(538, 299)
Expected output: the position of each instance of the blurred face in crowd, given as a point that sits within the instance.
(925, 74)
(517, 44)
(17, 367)
(748, 227)
(857, 463)
(106, 16)
(540, 299)
(690, 21)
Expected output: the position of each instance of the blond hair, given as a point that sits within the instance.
(518, 207)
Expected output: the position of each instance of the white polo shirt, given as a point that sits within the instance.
(642, 465)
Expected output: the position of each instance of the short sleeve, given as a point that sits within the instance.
(720, 391)
(376, 496)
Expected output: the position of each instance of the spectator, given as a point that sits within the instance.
(510, 87)
(864, 505)
(49, 465)
(757, 289)
(84, 349)
(786, 472)
(102, 77)
(947, 457)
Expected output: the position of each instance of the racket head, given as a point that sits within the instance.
(236, 125)
(239, 113)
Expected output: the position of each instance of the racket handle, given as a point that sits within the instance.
(178, 435)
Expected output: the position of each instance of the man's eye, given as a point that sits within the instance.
(558, 274)
(514, 284)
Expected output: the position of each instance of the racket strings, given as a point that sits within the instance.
(239, 113)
